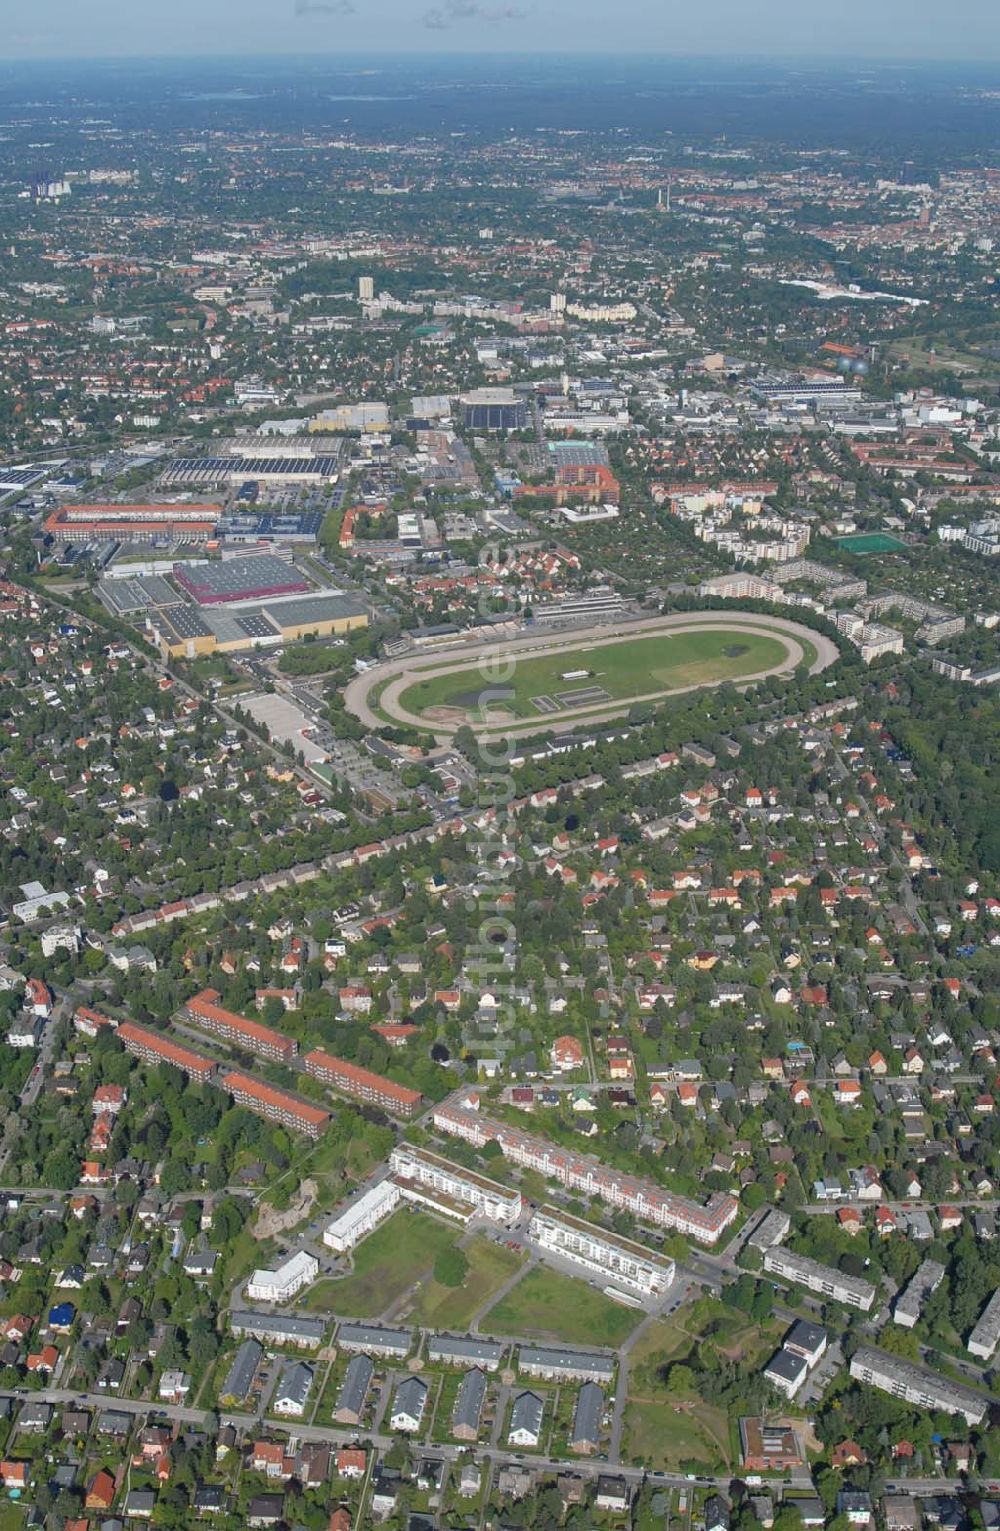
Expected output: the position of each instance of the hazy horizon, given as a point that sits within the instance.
(63, 30)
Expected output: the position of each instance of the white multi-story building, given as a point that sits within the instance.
(581, 1172)
(281, 1284)
(985, 1336)
(451, 1188)
(623, 1262)
(822, 1279)
(901, 1379)
(362, 1216)
(910, 1304)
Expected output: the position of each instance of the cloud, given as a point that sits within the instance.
(324, 7)
(448, 14)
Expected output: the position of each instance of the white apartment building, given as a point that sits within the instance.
(901, 1379)
(362, 1216)
(281, 1284)
(819, 1278)
(430, 1178)
(623, 1262)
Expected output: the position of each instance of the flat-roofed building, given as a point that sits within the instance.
(362, 1084)
(772, 1230)
(360, 1217)
(768, 1448)
(581, 1172)
(276, 1105)
(151, 1047)
(985, 1336)
(204, 1010)
(282, 1283)
(608, 1255)
(910, 1303)
(928, 1390)
(786, 1371)
(852, 1291)
(453, 1188)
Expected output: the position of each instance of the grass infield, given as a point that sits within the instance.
(647, 666)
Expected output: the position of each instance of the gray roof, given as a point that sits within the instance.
(296, 1380)
(357, 1381)
(586, 1363)
(587, 1416)
(371, 1337)
(469, 1403)
(411, 1398)
(276, 1326)
(447, 1347)
(242, 1371)
(527, 1413)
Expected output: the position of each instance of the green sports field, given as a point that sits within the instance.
(872, 542)
(648, 666)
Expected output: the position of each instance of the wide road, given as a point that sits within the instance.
(399, 674)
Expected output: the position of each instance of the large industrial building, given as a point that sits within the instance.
(202, 472)
(240, 579)
(133, 523)
(450, 1188)
(623, 1262)
(581, 1172)
(494, 409)
(185, 632)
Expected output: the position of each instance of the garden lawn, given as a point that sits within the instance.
(386, 1265)
(444, 1307)
(548, 1304)
(667, 1438)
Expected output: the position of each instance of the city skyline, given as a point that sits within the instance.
(55, 29)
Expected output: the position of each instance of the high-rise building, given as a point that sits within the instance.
(366, 288)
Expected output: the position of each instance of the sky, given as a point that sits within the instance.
(877, 29)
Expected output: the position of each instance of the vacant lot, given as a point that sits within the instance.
(671, 1436)
(444, 1307)
(637, 667)
(386, 1265)
(550, 1305)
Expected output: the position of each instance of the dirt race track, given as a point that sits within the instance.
(485, 664)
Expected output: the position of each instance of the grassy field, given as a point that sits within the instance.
(667, 1437)
(443, 1307)
(386, 1265)
(872, 542)
(557, 1307)
(638, 667)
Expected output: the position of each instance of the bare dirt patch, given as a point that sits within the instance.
(269, 1222)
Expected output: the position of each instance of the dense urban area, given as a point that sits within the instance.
(500, 855)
